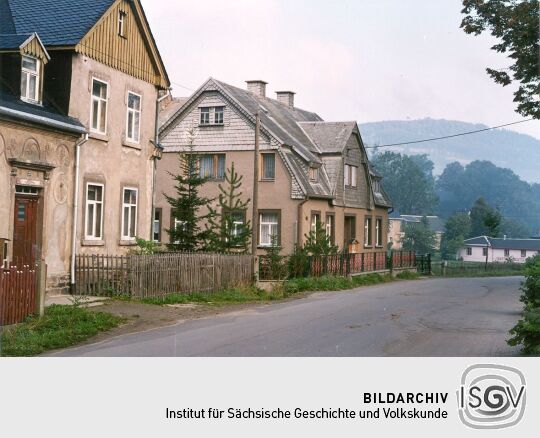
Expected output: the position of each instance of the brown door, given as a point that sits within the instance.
(25, 247)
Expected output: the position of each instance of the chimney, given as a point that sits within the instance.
(286, 98)
(257, 87)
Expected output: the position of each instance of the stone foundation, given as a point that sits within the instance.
(58, 284)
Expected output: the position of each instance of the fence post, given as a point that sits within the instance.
(41, 288)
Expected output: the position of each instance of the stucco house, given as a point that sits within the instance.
(79, 86)
(310, 172)
(498, 250)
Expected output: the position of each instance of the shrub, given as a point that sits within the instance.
(531, 285)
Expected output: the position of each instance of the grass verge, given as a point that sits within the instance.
(60, 327)
(288, 288)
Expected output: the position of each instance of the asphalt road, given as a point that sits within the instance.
(432, 317)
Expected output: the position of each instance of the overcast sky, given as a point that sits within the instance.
(364, 60)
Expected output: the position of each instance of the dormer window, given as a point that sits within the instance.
(121, 23)
(30, 79)
(314, 174)
(212, 115)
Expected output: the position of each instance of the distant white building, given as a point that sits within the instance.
(498, 250)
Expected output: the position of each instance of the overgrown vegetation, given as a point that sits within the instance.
(526, 333)
(60, 327)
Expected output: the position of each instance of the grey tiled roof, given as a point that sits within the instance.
(329, 136)
(12, 41)
(501, 243)
(58, 22)
(13, 107)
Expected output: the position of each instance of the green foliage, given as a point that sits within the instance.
(485, 220)
(223, 234)
(298, 265)
(145, 247)
(456, 230)
(527, 331)
(419, 237)
(273, 263)
(332, 283)
(318, 243)
(186, 205)
(60, 327)
(515, 25)
(408, 275)
(408, 180)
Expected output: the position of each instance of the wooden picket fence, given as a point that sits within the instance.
(18, 286)
(143, 276)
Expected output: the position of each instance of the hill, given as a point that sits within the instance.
(504, 148)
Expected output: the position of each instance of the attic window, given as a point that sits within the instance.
(314, 174)
(121, 23)
(30, 80)
(212, 115)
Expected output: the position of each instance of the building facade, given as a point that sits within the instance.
(398, 226)
(94, 66)
(310, 171)
(498, 250)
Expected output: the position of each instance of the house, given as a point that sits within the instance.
(482, 248)
(310, 171)
(79, 86)
(397, 228)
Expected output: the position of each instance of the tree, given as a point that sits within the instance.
(515, 25)
(318, 243)
(419, 237)
(485, 220)
(457, 228)
(228, 230)
(186, 233)
(408, 181)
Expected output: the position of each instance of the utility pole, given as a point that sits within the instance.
(255, 197)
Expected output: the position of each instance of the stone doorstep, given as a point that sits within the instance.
(67, 300)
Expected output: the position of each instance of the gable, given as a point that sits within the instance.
(236, 133)
(134, 53)
(33, 47)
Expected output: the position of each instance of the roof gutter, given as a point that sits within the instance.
(42, 120)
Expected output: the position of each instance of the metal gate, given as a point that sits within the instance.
(423, 264)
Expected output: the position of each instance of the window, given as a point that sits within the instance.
(350, 175)
(238, 218)
(177, 226)
(469, 251)
(212, 115)
(314, 174)
(268, 166)
(378, 232)
(94, 211)
(268, 228)
(523, 253)
(133, 117)
(129, 214)
(484, 252)
(368, 241)
(99, 106)
(315, 221)
(330, 228)
(506, 252)
(121, 23)
(212, 166)
(156, 225)
(350, 229)
(30, 80)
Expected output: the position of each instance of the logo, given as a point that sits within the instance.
(491, 396)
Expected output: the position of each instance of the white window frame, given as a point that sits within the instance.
(216, 122)
(378, 232)
(86, 216)
(158, 223)
(206, 111)
(469, 251)
(237, 224)
(124, 205)
(177, 222)
(134, 113)
(100, 106)
(354, 176)
(269, 225)
(263, 176)
(28, 73)
(368, 238)
(350, 175)
(122, 23)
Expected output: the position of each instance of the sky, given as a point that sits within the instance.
(363, 60)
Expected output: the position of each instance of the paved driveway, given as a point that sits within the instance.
(433, 317)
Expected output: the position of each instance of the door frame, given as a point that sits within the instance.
(39, 197)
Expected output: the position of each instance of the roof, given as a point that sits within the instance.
(330, 137)
(169, 108)
(14, 108)
(436, 224)
(502, 243)
(58, 22)
(13, 40)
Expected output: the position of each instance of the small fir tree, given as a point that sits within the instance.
(228, 230)
(186, 233)
(319, 243)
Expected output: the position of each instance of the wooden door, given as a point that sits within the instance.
(25, 244)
